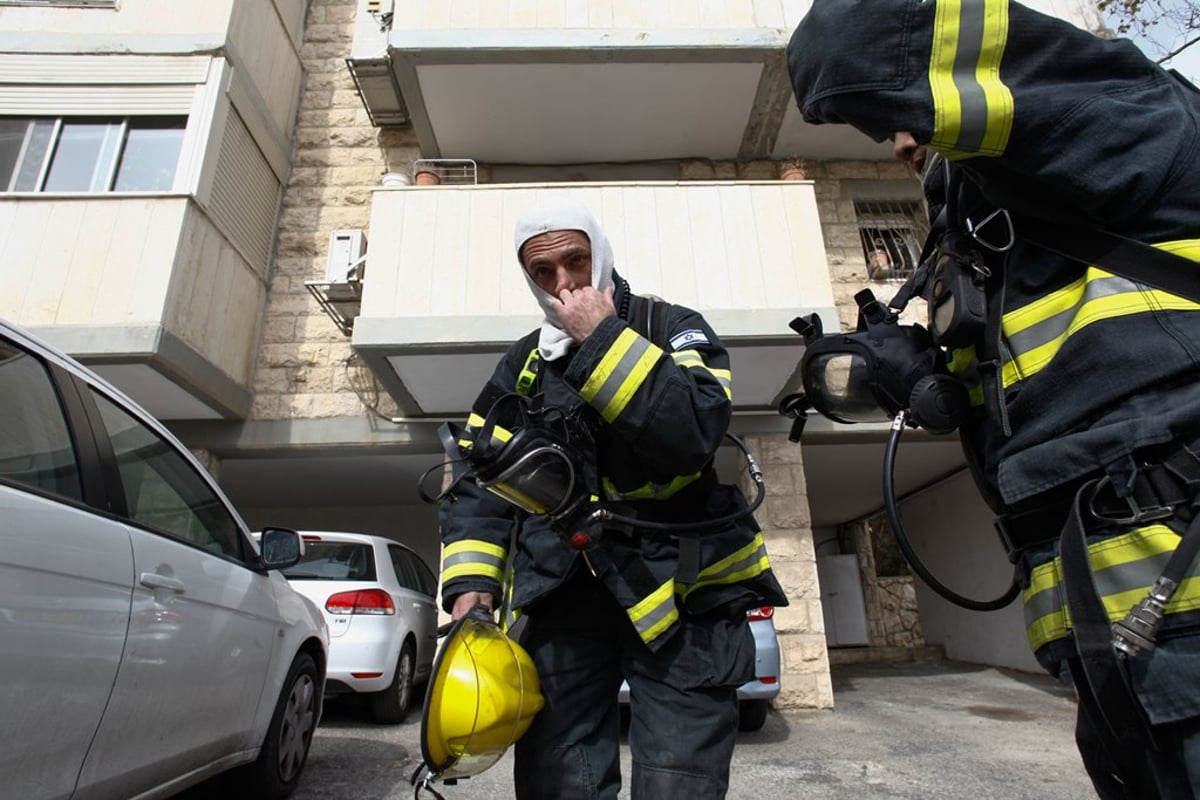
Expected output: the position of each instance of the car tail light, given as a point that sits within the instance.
(363, 601)
(757, 614)
(768, 679)
(310, 537)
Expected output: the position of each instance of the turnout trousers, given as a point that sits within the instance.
(1138, 723)
(683, 700)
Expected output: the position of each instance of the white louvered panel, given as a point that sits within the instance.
(38, 68)
(733, 246)
(61, 101)
(245, 194)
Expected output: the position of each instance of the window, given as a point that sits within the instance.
(891, 232)
(411, 571)
(163, 490)
(334, 561)
(35, 447)
(85, 154)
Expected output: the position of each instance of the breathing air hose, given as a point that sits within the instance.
(756, 474)
(910, 555)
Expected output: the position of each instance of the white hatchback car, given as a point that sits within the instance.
(378, 599)
(147, 643)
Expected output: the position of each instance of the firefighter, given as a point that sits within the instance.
(1050, 150)
(649, 382)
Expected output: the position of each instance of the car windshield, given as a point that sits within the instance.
(334, 561)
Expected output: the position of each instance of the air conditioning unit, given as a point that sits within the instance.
(347, 255)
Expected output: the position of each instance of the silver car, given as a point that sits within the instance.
(754, 696)
(378, 599)
(148, 644)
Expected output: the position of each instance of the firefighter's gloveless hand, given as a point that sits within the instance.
(581, 310)
(468, 600)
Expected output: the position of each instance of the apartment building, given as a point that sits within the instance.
(284, 226)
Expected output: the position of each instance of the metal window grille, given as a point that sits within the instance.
(891, 233)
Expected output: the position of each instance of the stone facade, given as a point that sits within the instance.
(893, 619)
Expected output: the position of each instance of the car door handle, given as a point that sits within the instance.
(152, 580)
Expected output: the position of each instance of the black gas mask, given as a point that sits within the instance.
(876, 373)
(542, 462)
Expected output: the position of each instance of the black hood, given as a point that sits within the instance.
(1044, 112)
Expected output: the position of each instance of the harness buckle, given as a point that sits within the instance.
(1137, 514)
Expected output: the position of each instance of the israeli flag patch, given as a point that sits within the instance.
(689, 338)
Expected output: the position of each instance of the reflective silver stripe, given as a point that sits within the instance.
(1058, 324)
(651, 624)
(622, 370)
(972, 106)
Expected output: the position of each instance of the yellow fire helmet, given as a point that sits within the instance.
(481, 699)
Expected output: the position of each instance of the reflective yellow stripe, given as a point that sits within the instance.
(619, 374)
(691, 359)
(528, 373)
(972, 107)
(473, 557)
(1037, 331)
(475, 422)
(1123, 567)
(650, 491)
(743, 564)
(656, 612)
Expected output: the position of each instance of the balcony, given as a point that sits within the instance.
(565, 82)
(443, 295)
(145, 290)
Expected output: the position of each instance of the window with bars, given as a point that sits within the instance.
(891, 232)
(86, 154)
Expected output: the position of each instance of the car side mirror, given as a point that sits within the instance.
(280, 548)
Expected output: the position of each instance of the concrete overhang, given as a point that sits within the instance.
(571, 96)
(443, 295)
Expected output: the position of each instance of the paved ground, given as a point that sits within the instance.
(926, 731)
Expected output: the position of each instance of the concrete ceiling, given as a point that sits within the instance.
(844, 478)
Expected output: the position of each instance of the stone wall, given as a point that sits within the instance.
(787, 529)
(306, 368)
(893, 618)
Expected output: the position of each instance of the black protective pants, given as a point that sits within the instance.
(683, 701)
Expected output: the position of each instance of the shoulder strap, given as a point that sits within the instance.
(650, 317)
(1128, 258)
(526, 370)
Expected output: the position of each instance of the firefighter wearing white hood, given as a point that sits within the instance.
(664, 612)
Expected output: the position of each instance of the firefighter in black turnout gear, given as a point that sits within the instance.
(666, 612)
(1064, 182)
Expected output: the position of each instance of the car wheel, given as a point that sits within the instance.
(391, 705)
(752, 714)
(275, 774)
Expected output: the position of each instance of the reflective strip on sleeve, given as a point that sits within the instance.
(620, 374)
(1124, 568)
(650, 491)
(972, 107)
(473, 557)
(742, 564)
(655, 613)
(691, 359)
(475, 422)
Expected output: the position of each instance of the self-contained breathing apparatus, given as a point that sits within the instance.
(545, 465)
(543, 460)
(888, 370)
